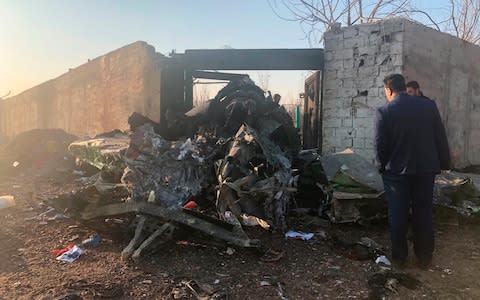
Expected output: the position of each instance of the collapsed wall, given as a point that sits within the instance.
(357, 58)
(95, 97)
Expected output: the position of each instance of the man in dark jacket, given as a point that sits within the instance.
(413, 89)
(411, 147)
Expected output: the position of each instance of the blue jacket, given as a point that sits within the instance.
(410, 138)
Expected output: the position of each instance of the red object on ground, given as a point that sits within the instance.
(190, 204)
(58, 252)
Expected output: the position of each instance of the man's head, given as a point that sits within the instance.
(413, 89)
(276, 98)
(393, 85)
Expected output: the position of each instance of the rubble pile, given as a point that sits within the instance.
(36, 149)
(171, 171)
(233, 161)
(231, 157)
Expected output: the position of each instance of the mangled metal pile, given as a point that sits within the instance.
(235, 167)
(455, 194)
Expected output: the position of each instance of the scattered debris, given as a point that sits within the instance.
(38, 149)
(457, 192)
(299, 235)
(230, 251)
(71, 255)
(281, 291)
(382, 259)
(380, 282)
(7, 201)
(364, 249)
(92, 241)
(41, 216)
(265, 283)
(58, 252)
(272, 255)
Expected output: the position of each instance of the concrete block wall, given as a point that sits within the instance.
(357, 58)
(95, 97)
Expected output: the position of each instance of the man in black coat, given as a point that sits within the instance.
(411, 147)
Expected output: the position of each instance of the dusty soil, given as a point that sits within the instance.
(308, 270)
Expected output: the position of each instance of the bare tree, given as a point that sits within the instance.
(202, 93)
(318, 16)
(465, 20)
(264, 80)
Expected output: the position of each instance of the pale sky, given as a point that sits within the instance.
(40, 40)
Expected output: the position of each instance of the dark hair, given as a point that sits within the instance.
(395, 82)
(413, 84)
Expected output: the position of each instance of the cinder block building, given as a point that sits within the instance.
(357, 58)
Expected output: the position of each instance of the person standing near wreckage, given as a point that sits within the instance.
(411, 147)
(413, 89)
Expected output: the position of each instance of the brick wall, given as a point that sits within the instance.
(95, 97)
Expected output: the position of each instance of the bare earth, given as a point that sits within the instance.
(308, 270)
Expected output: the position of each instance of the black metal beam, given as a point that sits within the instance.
(252, 59)
(217, 75)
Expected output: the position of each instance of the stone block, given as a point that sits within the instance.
(329, 93)
(360, 132)
(332, 83)
(364, 112)
(350, 32)
(363, 122)
(346, 143)
(346, 73)
(331, 121)
(328, 131)
(368, 72)
(347, 83)
(392, 26)
(364, 83)
(346, 93)
(332, 141)
(333, 36)
(329, 55)
(329, 74)
(358, 143)
(347, 122)
(396, 48)
(334, 65)
(345, 132)
(336, 113)
(348, 64)
(333, 103)
(344, 54)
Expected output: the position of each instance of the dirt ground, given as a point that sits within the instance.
(307, 270)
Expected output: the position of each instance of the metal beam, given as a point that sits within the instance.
(252, 59)
(217, 75)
